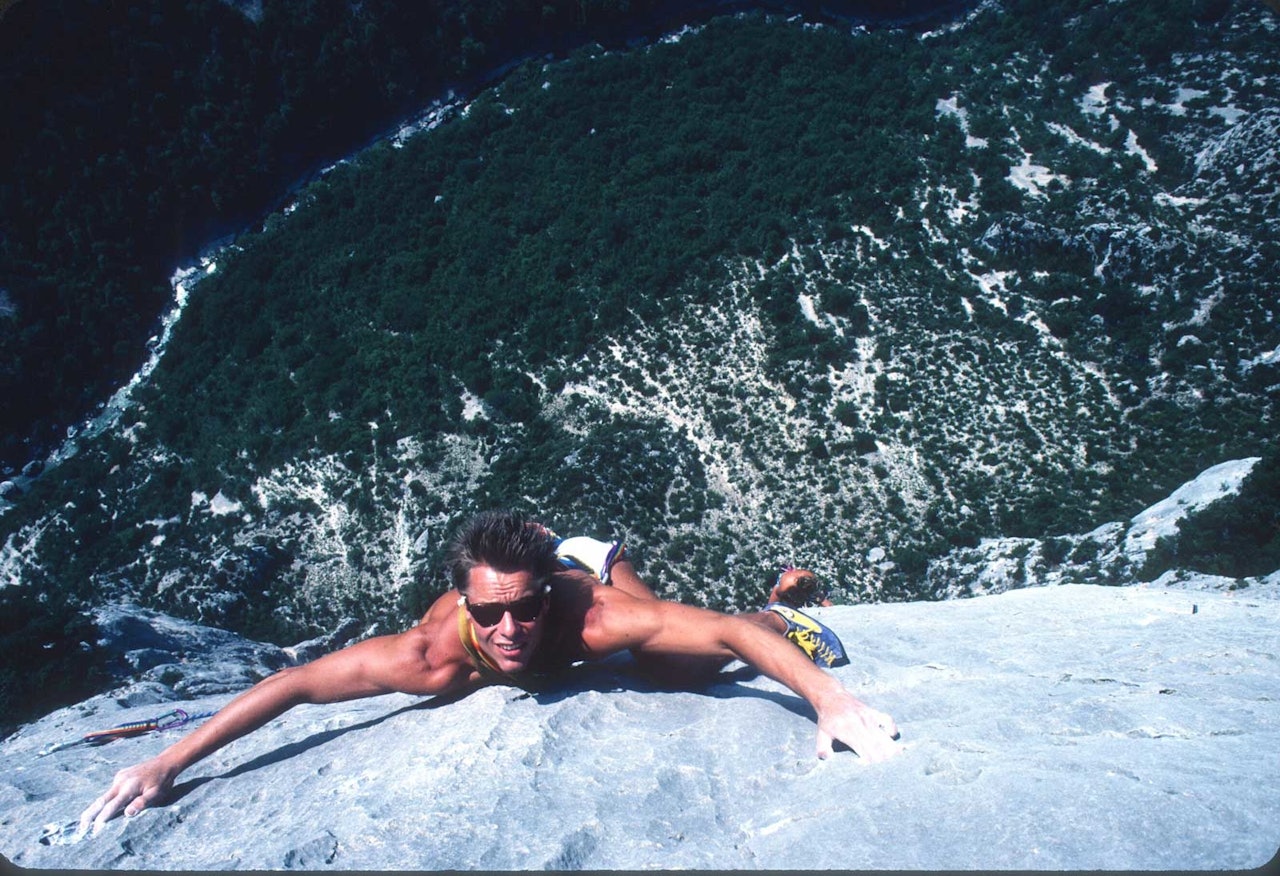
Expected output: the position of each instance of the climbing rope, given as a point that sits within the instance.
(167, 721)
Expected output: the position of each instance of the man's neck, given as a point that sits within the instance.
(467, 633)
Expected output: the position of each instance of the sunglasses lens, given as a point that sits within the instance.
(526, 609)
(486, 615)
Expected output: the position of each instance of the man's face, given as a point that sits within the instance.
(508, 642)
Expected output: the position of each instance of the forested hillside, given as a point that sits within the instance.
(137, 133)
(763, 291)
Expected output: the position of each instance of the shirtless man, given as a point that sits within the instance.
(517, 611)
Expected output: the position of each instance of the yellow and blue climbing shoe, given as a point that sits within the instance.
(822, 645)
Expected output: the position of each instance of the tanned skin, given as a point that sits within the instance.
(429, 659)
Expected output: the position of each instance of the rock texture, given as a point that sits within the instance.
(1075, 727)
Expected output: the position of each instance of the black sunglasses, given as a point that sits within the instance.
(488, 614)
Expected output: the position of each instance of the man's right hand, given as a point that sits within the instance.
(132, 790)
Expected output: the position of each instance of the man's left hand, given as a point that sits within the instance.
(869, 732)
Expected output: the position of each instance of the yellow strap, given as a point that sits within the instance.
(467, 634)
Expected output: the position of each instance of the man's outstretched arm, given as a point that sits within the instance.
(387, 664)
(659, 627)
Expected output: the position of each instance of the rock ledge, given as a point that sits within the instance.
(1070, 727)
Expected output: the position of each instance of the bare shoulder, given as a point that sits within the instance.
(425, 659)
(431, 655)
(616, 621)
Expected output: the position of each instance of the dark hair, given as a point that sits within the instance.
(503, 540)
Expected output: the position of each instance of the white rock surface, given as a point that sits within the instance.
(1162, 518)
(1070, 727)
